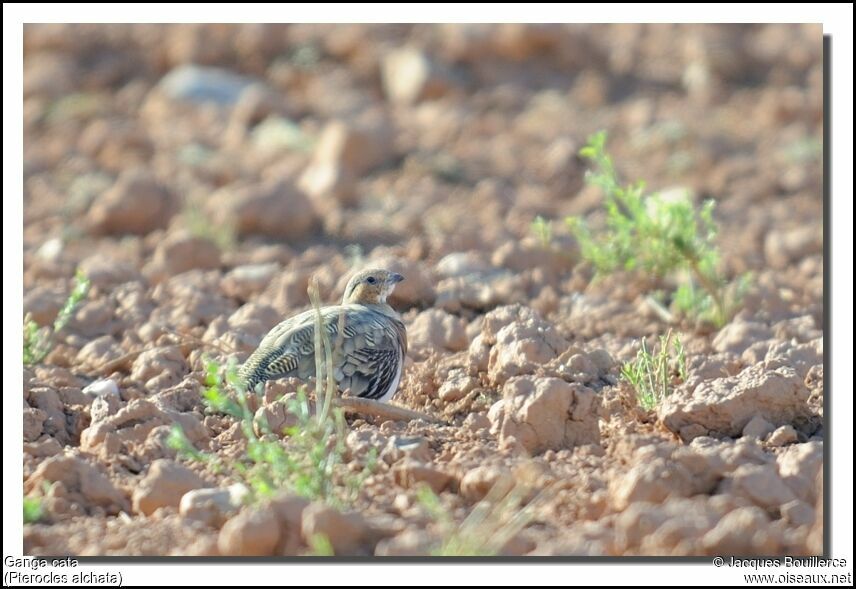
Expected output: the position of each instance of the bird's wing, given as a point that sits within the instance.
(287, 350)
(368, 350)
(372, 355)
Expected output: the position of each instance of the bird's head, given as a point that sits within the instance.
(371, 287)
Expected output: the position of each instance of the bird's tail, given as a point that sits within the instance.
(247, 376)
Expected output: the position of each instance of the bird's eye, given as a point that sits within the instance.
(371, 279)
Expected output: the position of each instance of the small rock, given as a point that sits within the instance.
(476, 422)
(359, 147)
(726, 405)
(407, 543)
(602, 360)
(248, 325)
(653, 481)
(798, 513)
(105, 271)
(99, 352)
(582, 368)
(199, 84)
(799, 465)
(408, 76)
(692, 431)
(361, 442)
(479, 293)
(102, 387)
(802, 329)
(49, 402)
(348, 533)
(258, 254)
(702, 368)
(50, 74)
(326, 184)
(479, 354)
(104, 406)
(259, 109)
(800, 357)
(135, 421)
(275, 418)
(546, 413)
(478, 482)
(213, 506)
(159, 367)
(344, 153)
(252, 532)
(435, 329)
(518, 545)
(522, 341)
(457, 386)
(181, 252)
(784, 247)
(462, 264)
(33, 420)
(43, 448)
(409, 473)
(164, 485)
(83, 484)
(244, 282)
(783, 436)
(738, 335)
(43, 303)
(758, 427)
(289, 510)
(522, 256)
(273, 208)
(496, 415)
(137, 203)
(413, 448)
(761, 484)
(744, 531)
(276, 134)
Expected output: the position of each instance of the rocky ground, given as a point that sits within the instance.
(200, 175)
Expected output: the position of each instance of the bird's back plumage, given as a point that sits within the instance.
(368, 344)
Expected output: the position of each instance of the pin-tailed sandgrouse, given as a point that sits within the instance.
(368, 355)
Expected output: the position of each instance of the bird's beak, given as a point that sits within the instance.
(395, 278)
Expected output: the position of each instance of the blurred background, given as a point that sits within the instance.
(312, 146)
(200, 175)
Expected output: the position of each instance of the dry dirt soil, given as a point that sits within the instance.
(200, 175)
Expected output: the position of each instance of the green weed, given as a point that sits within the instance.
(33, 510)
(39, 341)
(199, 224)
(669, 238)
(542, 230)
(320, 545)
(653, 374)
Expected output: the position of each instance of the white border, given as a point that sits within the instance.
(837, 20)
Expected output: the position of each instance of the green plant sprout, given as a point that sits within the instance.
(39, 341)
(200, 224)
(303, 462)
(33, 510)
(542, 230)
(665, 237)
(653, 375)
(320, 545)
